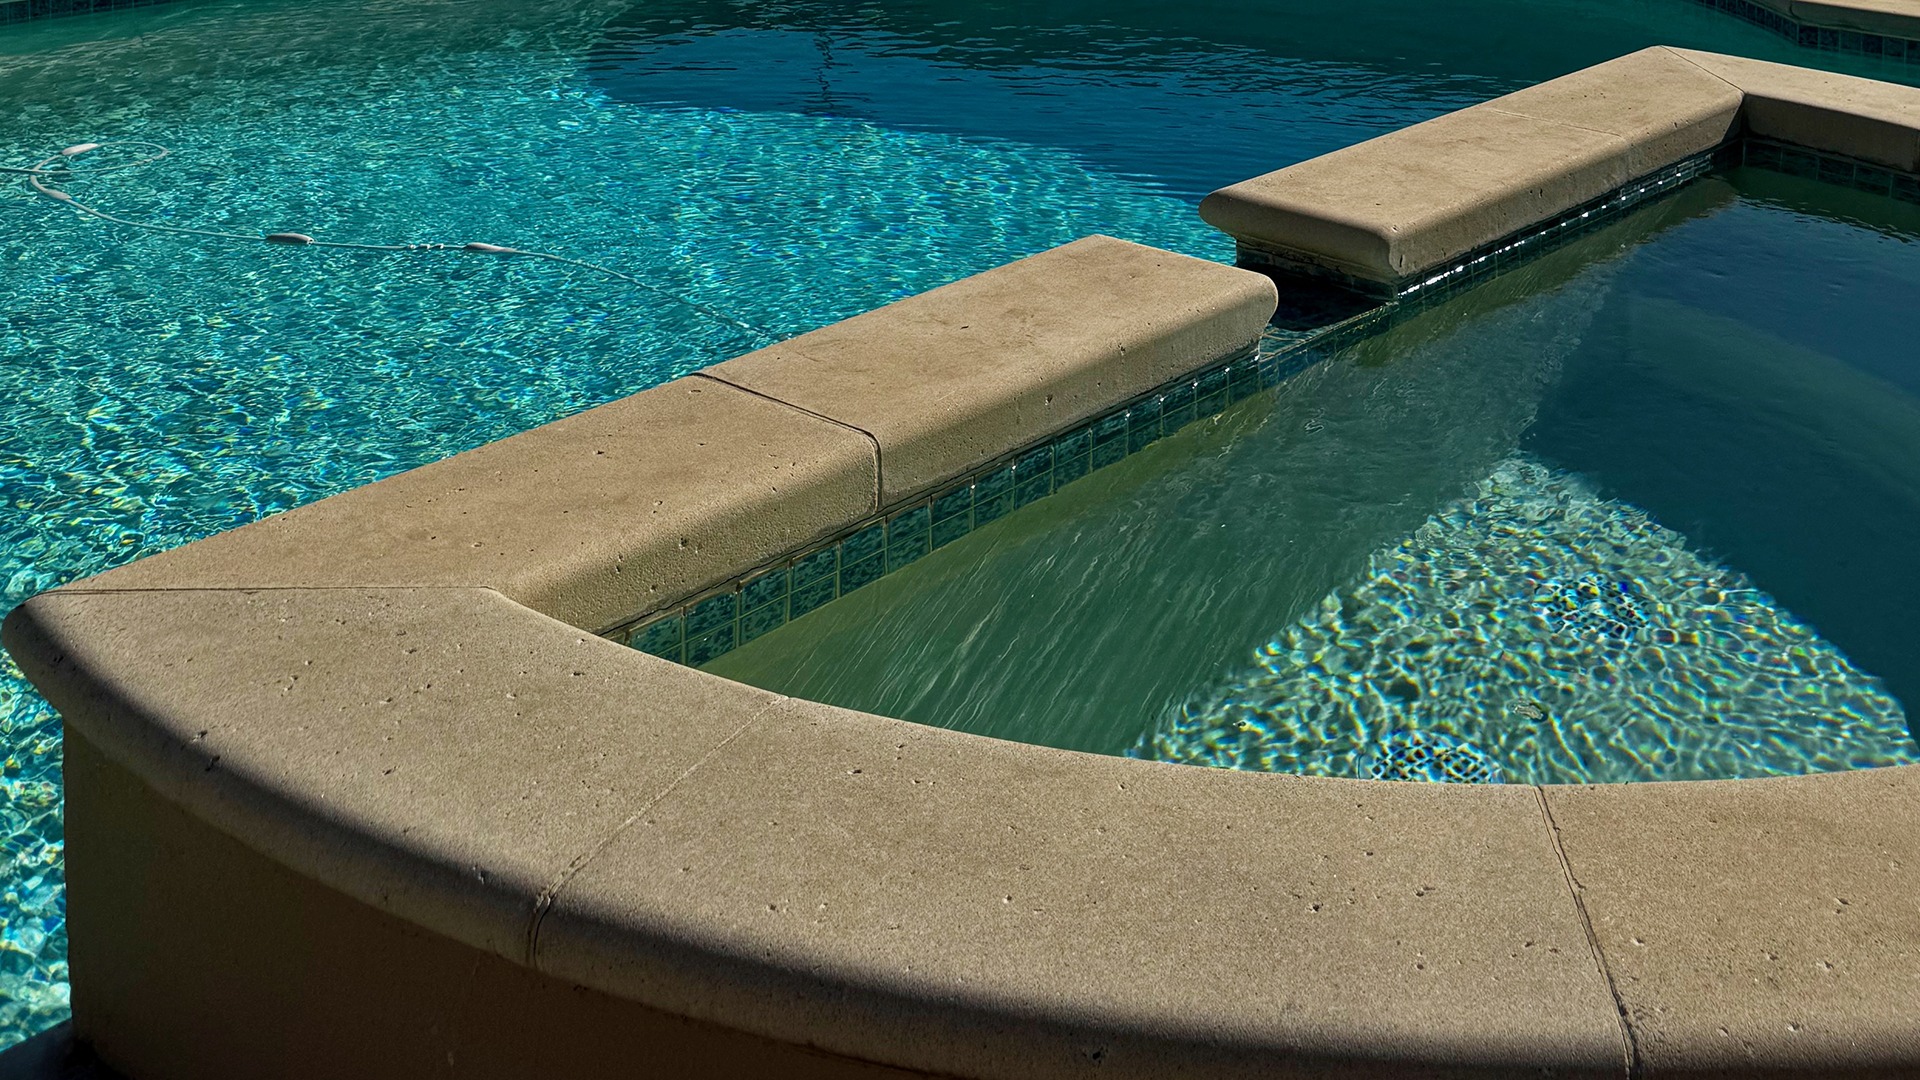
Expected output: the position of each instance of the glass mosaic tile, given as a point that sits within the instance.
(864, 572)
(765, 589)
(811, 595)
(1826, 39)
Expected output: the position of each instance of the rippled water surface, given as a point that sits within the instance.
(1641, 510)
(786, 164)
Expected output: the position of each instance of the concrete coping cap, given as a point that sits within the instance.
(1396, 208)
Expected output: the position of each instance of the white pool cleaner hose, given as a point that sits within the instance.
(46, 174)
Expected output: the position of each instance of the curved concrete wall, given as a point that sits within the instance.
(354, 792)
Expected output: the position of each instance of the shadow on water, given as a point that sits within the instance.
(1774, 419)
(1186, 96)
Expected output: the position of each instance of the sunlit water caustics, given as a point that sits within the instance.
(784, 164)
(1638, 511)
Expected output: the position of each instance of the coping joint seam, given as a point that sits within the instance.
(545, 901)
(879, 485)
(1630, 1045)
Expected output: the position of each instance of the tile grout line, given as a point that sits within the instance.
(879, 484)
(1629, 1045)
(548, 895)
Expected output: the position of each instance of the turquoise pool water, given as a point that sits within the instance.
(786, 164)
(1640, 510)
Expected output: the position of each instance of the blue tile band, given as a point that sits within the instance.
(1791, 160)
(19, 11)
(1823, 38)
(755, 604)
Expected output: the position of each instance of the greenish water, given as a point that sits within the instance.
(1638, 511)
(787, 164)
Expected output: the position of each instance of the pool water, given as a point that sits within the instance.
(1639, 511)
(785, 164)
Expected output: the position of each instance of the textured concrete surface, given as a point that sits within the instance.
(1660, 106)
(950, 379)
(443, 754)
(1860, 118)
(1894, 18)
(1761, 926)
(1395, 207)
(197, 958)
(1027, 912)
(594, 519)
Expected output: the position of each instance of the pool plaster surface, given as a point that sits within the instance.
(373, 750)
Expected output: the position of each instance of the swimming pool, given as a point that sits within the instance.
(1632, 512)
(784, 165)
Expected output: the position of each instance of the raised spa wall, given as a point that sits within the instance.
(358, 790)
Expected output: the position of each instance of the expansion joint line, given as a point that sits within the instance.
(1629, 1045)
(878, 486)
(544, 902)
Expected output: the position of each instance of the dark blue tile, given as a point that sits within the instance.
(906, 550)
(1244, 382)
(711, 614)
(1906, 188)
(991, 486)
(1144, 434)
(662, 638)
(862, 545)
(955, 502)
(1799, 163)
(1211, 382)
(1033, 488)
(947, 530)
(854, 575)
(1067, 470)
(824, 563)
(1074, 443)
(763, 620)
(1836, 171)
(1762, 155)
(995, 507)
(908, 524)
(1106, 454)
(1038, 459)
(764, 589)
(709, 646)
(1210, 404)
(1868, 178)
(811, 595)
(1110, 428)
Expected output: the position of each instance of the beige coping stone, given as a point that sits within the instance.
(1842, 114)
(1757, 925)
(954, 377)
(593, 519)
(931, 899)
(1403, 204)
(442, 754)
(1892, 18)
